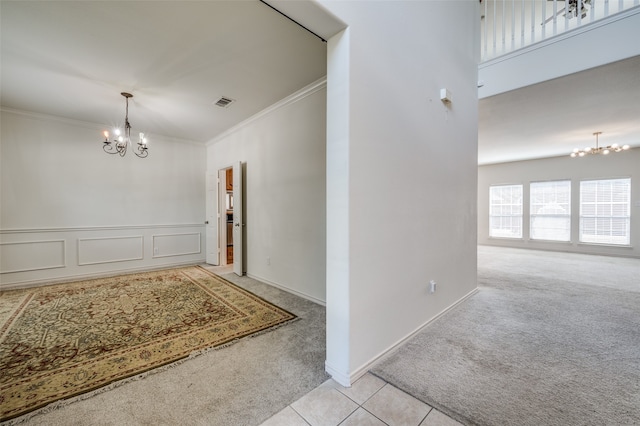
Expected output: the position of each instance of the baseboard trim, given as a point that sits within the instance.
(343, 379)
(81, 277)
(287, 289)
(361, 371)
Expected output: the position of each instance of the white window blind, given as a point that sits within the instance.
(505, 211)
(550, 210)
(605, 207)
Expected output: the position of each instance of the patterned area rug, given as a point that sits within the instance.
(60, 341)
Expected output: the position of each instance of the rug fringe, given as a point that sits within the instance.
(64, 402)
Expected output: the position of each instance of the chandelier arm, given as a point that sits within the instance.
(110, 149)
(141, 151)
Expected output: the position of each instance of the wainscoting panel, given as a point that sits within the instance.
(110, 249)
(32, 257)
(27, 256)
(176, 244)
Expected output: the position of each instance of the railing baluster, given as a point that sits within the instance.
(513, 24)
(533, 21)
(504, 30)
(522, 24)
(555, 17)
(579, 13)
(495, 24)
(544, 19)
(486, 23)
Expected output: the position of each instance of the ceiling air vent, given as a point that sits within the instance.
(223, 102)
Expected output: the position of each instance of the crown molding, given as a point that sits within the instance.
(86, 124)
(295, 97)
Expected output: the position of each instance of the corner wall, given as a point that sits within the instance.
(283, 156)
(401, 173)
(70, 211)
(624, 164)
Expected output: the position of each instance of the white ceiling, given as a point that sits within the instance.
(552, 118)
(72, 59)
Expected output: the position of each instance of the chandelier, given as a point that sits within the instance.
(122, 140)
(604, 150)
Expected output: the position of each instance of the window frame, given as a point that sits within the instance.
(506, 220)
(539, 189)
(598, 203)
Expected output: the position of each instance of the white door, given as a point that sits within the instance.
(211, 212)
(238, 222)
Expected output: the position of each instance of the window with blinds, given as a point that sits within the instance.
(605, 207)
(550, 210)
(505, 211)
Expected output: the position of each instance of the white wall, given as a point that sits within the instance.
(283, 155)
(402, 169)
(69, 210)
(625, 164)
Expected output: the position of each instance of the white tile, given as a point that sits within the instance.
(286, 417)
(395, 407)
(324, 406)
(436, 418)
(362, 417)
(363, 389)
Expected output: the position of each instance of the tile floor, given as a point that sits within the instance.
(369, 401)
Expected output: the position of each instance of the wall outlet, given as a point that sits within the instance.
(268, 261)
(432, 286)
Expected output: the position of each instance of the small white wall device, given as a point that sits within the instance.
(445, 95)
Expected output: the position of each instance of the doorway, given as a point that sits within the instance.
(226, 216)
(225, 222)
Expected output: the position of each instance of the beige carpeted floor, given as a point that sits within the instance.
(549, 339)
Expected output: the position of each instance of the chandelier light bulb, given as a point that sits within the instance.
(605, 152)
(581, 154)
(625, 147)
(116, 132)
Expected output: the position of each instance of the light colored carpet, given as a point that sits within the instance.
(242, 384)
(549, 339)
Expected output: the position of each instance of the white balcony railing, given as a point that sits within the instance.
(507, 25)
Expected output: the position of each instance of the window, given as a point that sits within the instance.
(605, 207)
(505, 211)
(550, 210)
